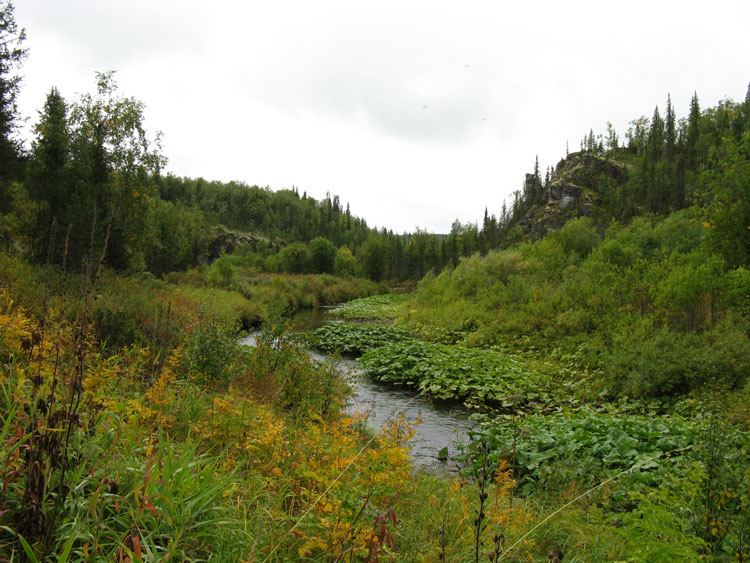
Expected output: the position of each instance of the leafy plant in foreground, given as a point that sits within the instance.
(549, 452)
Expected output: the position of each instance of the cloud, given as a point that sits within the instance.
(386, 68)
(426, 106)
(416, 112)
(113, 34)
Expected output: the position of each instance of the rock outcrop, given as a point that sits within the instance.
(225, 241)
(574, 190)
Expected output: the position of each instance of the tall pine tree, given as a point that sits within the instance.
(670, 155)
(693, 132)
(652, 169)
(12, 54)
(49, 180)
(670, 133)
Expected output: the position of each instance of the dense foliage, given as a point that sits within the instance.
(453, 372)
(93, 175)
(689, 475)
(652, 304)
(143, 455)
(549, 451)
(351, 339)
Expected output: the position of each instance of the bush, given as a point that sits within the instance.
(295, 258)
(322, 255)
(211, 351)
(651, 361)
(345, 264)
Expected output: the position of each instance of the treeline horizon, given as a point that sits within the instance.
(92, 178)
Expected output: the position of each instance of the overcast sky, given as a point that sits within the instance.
(415, 112)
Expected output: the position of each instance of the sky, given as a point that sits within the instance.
(415, 112)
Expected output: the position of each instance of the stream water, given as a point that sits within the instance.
(439, 426)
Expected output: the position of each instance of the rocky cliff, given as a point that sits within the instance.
(575, 189)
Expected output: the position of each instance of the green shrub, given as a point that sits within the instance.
(651, 361)
(281, 373)
(211, 351)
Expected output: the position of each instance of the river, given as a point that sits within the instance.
(438, 426)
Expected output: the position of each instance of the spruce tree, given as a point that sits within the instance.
(693, 132)
(670, 154)
(484, 234)
(48, 171)
(670, 133)
(652, 177)
(12, 54)
(655, 143)
(613, 142)
(538, 187)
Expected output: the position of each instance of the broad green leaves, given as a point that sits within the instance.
(547, 451)
(456, 372)
(351, 339)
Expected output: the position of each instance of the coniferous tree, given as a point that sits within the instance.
(484, 234)
(693, 132)
(12, 54)
(49, 181)
(680, 164)
(670, 133)
(655, 144)
(538, 190)
(670, 155)
(612, 140)
(651, 172)
(690, 150)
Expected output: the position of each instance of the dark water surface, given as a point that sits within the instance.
(440, 426)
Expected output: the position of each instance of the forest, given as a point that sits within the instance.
(161, 398)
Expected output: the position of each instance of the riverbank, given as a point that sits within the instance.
(186, 445)
(437, 428)
(542, 424)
